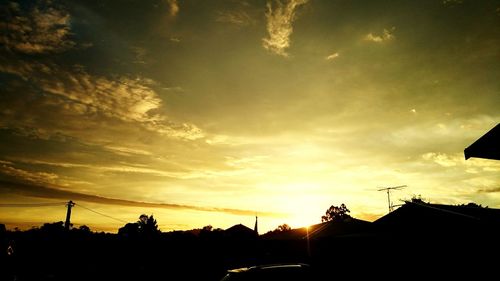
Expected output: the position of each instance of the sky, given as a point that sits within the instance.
(213, 112)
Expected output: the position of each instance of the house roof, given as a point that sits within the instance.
(240, 230)
(487, 146)
(422, 216)
(331, 228)
(324, 229)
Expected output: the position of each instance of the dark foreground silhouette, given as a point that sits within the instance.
(418, 240)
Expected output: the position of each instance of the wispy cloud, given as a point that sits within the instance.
(387, 35)
(236, 17)
(81, 99)
(33, 190)
(173, 6)
(175, 39)
(127, 151)
(441, 159)
(34, 177)
(458, 160)
(80, 94)
(451, 2)
(279, 25)
(9, 169)
(140, 54)
(489, 190)
(38, 27)
(332, 56)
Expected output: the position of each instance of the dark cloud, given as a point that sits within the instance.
(53, 93)
(489, 190)
(35, 27)
(33, 190)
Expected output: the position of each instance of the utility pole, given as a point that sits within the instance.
(70, 205)
(388, 189)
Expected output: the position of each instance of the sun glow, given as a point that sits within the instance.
(189, 118)
(303, 210)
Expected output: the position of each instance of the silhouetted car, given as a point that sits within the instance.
(289, 272)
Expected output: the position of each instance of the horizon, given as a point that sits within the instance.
(31, 225)
(215, 112)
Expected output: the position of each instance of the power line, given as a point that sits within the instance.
(17, 205)
(35, 205)
(104, 215)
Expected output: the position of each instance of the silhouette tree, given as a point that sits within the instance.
(336, 214)
(84, 229)
(418, 199)
(207, 228)
(278, 231)
(145, 227)
(54, 227)
(472, 205)
(129, 230)
(148, 225)
(282, 228)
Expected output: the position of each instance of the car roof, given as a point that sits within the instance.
(269, 266)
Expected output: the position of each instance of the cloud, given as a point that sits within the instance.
(86, 98)
(127, 151)
(7, 170)
(173, 7)
(332, 56)
(451, 2)
(35, 177)
(279, 25)
(125, 98)
(60, 98)
(237, 17)
(175, 39)
(38, 27)
(34, 190)
(387, 35)
(140, 54)
(441, 159)
(458, 160)
(489, 190)
(436, 135)
(122, 168)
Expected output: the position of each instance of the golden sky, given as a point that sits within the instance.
(209, 112)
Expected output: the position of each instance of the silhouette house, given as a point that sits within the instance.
(333, 228)
(240, 231)
(487, 146)
(327, 229)
(421, 217)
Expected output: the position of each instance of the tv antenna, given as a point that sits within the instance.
(388, 190)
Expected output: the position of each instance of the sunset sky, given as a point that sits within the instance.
(210, 112)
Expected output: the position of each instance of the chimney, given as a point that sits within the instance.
(256, 228)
